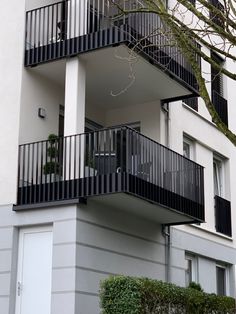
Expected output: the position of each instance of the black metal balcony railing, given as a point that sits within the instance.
(109, 161)
(71, 27)
(192, 102)
(221, 106)
(223, 216)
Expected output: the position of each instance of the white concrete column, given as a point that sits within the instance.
(74, 118)
(75, 96)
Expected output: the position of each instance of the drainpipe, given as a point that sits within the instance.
(166, 235)
(165, 109)
(166, 230)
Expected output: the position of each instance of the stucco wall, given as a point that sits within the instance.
(11, 65)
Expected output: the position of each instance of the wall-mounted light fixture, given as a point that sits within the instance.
(42, 113)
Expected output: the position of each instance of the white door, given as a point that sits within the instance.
(33, 291)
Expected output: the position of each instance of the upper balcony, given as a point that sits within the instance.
(118, 167)
(72, 27)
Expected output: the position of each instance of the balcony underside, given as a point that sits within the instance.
(174, 74)
(108, 74)
(119, 191)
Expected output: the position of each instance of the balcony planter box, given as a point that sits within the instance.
(53, 177)
(89, 172)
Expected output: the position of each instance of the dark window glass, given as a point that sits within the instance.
(216, 75)
(220, 281)
(215, 16)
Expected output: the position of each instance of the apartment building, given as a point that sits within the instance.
(110, 163)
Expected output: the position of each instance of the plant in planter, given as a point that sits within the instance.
(51, 169)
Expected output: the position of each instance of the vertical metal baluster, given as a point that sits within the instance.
(89, 20)
(36, 173)
(47, 33)
(116, 176)
(20, 173)
(43, 57)
(32, 172)
(79, 166)
(54, 41)
(69, 162)
(65, 196)
(41, 173)
(48, 184)
(74, 28)
(93, 17)
(74, 181)
(122, 156)
(70, 157)
(57, 33)
(31, 37)
(41, 30)
(70, 23)
(27, 38)
(23, 176)
(90, 165)
(27, 173)
(34, 36)
(94, 139)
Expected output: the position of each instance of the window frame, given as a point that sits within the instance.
(194, 268)
(217, 76)
(220, 176)
(190, 143)
(226, 278)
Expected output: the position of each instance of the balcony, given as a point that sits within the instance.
(221, 106)
(118, 167)
(68, 28)
(191, 102)
(223, 216)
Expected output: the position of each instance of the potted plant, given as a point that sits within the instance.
(51, 169)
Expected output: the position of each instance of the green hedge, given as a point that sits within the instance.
(128, 295)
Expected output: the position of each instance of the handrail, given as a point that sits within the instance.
(119, 127)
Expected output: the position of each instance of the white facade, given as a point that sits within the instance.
(91, 241)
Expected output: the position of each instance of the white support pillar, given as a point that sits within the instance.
(74, 119)
(75, 97)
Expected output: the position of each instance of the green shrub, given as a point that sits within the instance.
(195, 286)
(52, 138)
(128, 295)
(51, 167)
(121, 295)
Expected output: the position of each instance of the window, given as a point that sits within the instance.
(216, 75)
(188, 148)
(191, 102)
(221, 280)
(215, 16)
(191, 269)
(217, 89)
(222, 205)
(217, 176)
